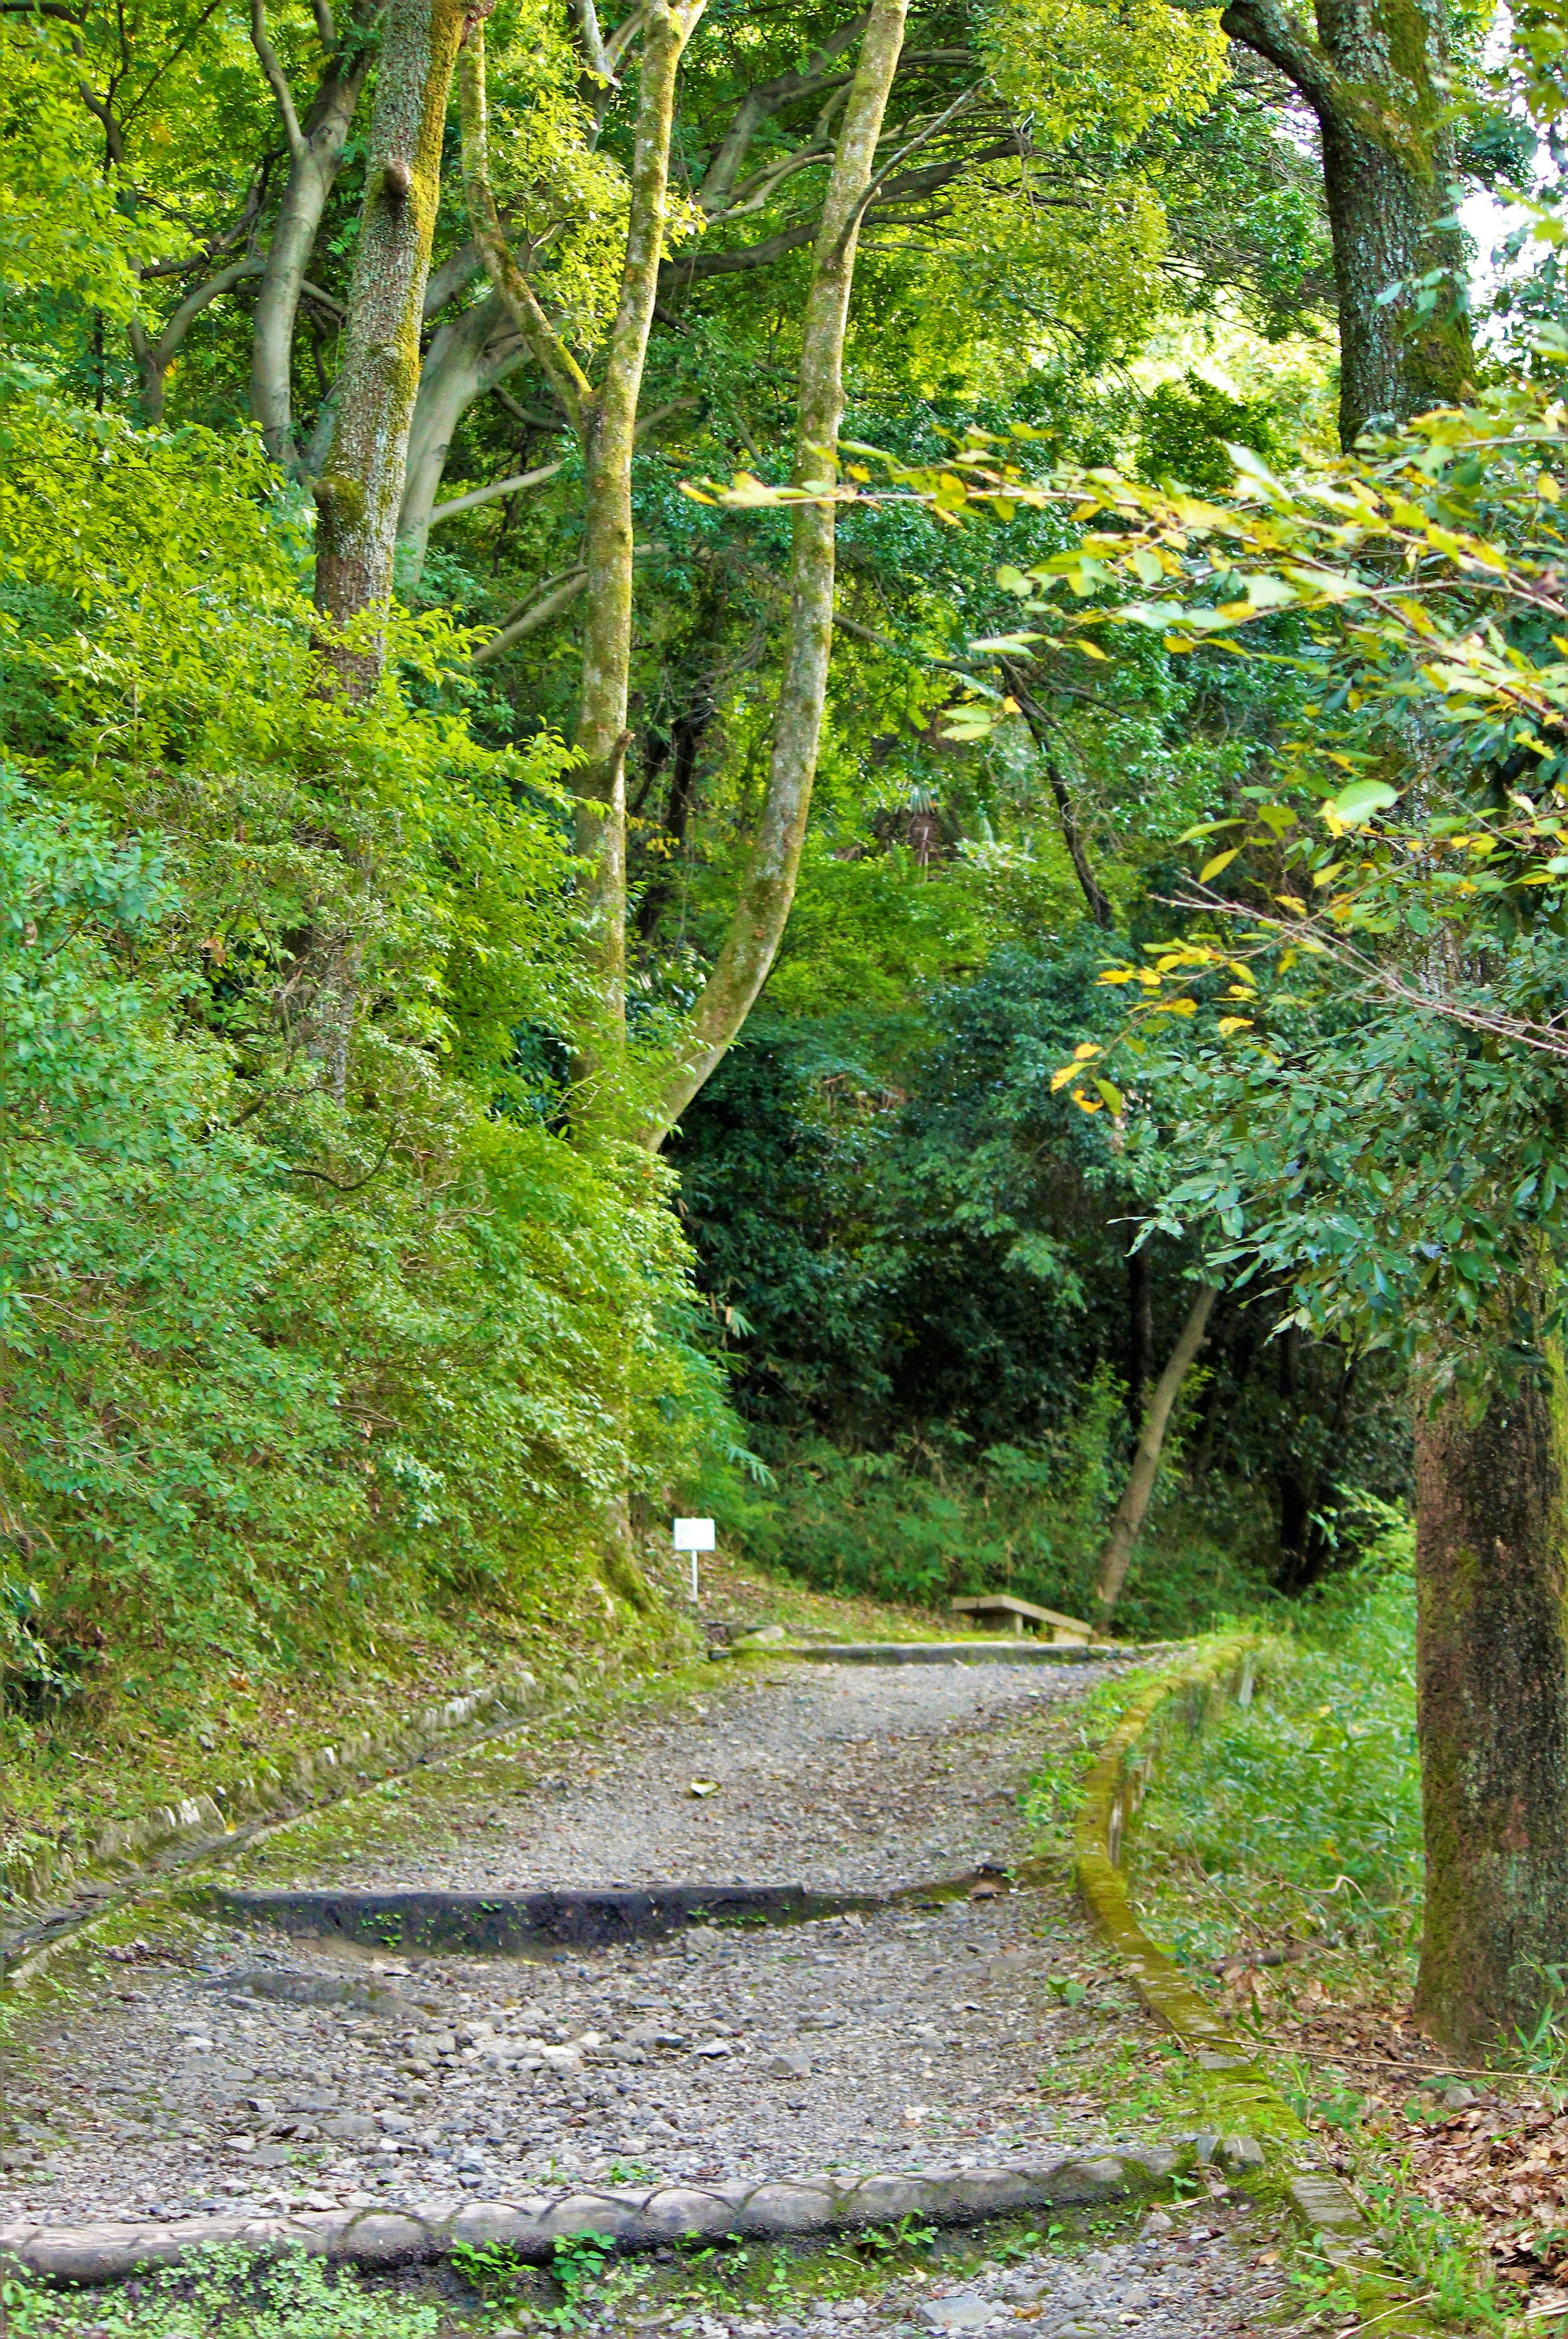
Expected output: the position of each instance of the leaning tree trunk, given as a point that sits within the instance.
(1375, 76)
(767, 889)
(361, 491)
(1117, 1554)
(1492, 1671)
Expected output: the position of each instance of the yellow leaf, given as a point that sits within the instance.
(1085, 1105)
(1093, 650)
(1060, 1079)
(1229, 1023)
(1082, 1055)
(1178, 1007)
(1121, 974)
(1220, 861)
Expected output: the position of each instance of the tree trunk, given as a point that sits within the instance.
(609, 438)
(1292, 1483)
(767, 889)
(1117, 1552)
(1491, 1673)
(1375, 77)
(316, 149)
(361, 492)
(1139, 1326)
(474, 350)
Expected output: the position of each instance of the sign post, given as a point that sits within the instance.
(694, 1535)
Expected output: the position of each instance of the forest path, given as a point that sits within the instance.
(893, 2037)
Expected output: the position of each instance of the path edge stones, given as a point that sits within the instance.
(632, 2217)
(127, 1859)
(1233, 2080)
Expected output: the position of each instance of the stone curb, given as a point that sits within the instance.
(1115, 1788)
(771, 2209)
(126, 1857)
(950, 1652)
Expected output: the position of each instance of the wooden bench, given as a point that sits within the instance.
(1002, 1604)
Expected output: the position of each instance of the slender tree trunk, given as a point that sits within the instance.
(1117, 1554)
(476, 349)
(361, 492)
(1492, 1669)
(609, 437)
(316, 149)
(153, 358)
(1139, 1326)
(1375, 76)
(767, 889)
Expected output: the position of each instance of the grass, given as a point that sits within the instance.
(1279, 1858)
(229, 2292)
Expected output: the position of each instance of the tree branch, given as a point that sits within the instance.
(276, 79)
(549, 352)
(513, 486)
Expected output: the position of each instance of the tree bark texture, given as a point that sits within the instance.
(1374, 72)
(316, 149)
(1117, 1554)
(359, 493)
(767, 889)
(1492, 1674)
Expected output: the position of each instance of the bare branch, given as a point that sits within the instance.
(497, 488)
(277, 80)
(539, 613)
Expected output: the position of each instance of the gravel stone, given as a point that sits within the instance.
(456, 2079)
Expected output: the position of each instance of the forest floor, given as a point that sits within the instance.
(149, 2081)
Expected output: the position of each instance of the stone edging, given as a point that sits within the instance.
(126, 1856)
(770, 2209)
(1013, 1652)
(1233, 2079)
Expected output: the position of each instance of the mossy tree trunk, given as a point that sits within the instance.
(361, 489)
(1492, 1670)
(768, 888)
(316, 149)
(1374, 72)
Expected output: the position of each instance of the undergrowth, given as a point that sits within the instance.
(935, 1518)
(1301, 1812)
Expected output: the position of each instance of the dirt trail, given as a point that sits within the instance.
(337, 2078)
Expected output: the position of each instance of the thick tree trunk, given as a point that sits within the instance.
(1375, 74)
(767, 889)
(1117, 1552)
(316, 149)
(1492, 1666)
(359, 493)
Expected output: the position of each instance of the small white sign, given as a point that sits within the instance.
(694, 1534)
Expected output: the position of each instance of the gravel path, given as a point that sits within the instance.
(219, 2069)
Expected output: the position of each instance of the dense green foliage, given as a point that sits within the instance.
(310, 1315)
(323, 1318)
